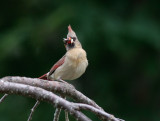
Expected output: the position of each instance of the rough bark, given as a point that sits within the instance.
(42, 90)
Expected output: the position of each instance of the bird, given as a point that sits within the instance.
(73, 64)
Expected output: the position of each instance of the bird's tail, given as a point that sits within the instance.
(44, 77)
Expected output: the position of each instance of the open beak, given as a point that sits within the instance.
(69, 38)
(65, 40)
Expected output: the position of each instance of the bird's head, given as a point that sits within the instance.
(71, 41)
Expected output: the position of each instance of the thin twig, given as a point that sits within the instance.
(66, 115)
(58, 111)
(97, 112)
(2, 99)
(32, 110)
(57, 114)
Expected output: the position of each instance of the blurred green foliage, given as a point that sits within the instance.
(122, 40)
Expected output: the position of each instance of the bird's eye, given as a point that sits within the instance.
(74, 38)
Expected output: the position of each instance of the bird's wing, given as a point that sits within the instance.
(56, 65)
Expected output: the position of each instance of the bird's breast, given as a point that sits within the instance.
(74, 66)
(76, 57)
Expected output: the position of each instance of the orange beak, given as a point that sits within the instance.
(69, 38)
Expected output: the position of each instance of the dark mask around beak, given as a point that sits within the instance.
(69, 40)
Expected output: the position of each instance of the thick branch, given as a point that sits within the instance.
(32, 87)
(54, 86)
(41, 95)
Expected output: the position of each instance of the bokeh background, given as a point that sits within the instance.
(122, 40)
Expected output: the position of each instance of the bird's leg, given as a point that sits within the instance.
(60, 80)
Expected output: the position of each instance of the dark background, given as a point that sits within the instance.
(121, 38)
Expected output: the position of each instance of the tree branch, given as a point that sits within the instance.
(57, 114)
(54, 86)
(41, 95)
(40, 90)
(97, 112)
(2, 99)
(33, 109)
(66, 116)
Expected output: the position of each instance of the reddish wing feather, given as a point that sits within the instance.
(55, 66)
(43, 77)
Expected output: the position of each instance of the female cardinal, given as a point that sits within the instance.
(73, 64)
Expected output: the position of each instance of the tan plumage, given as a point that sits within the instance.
(73, 64)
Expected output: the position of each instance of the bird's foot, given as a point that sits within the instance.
(60, 80)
